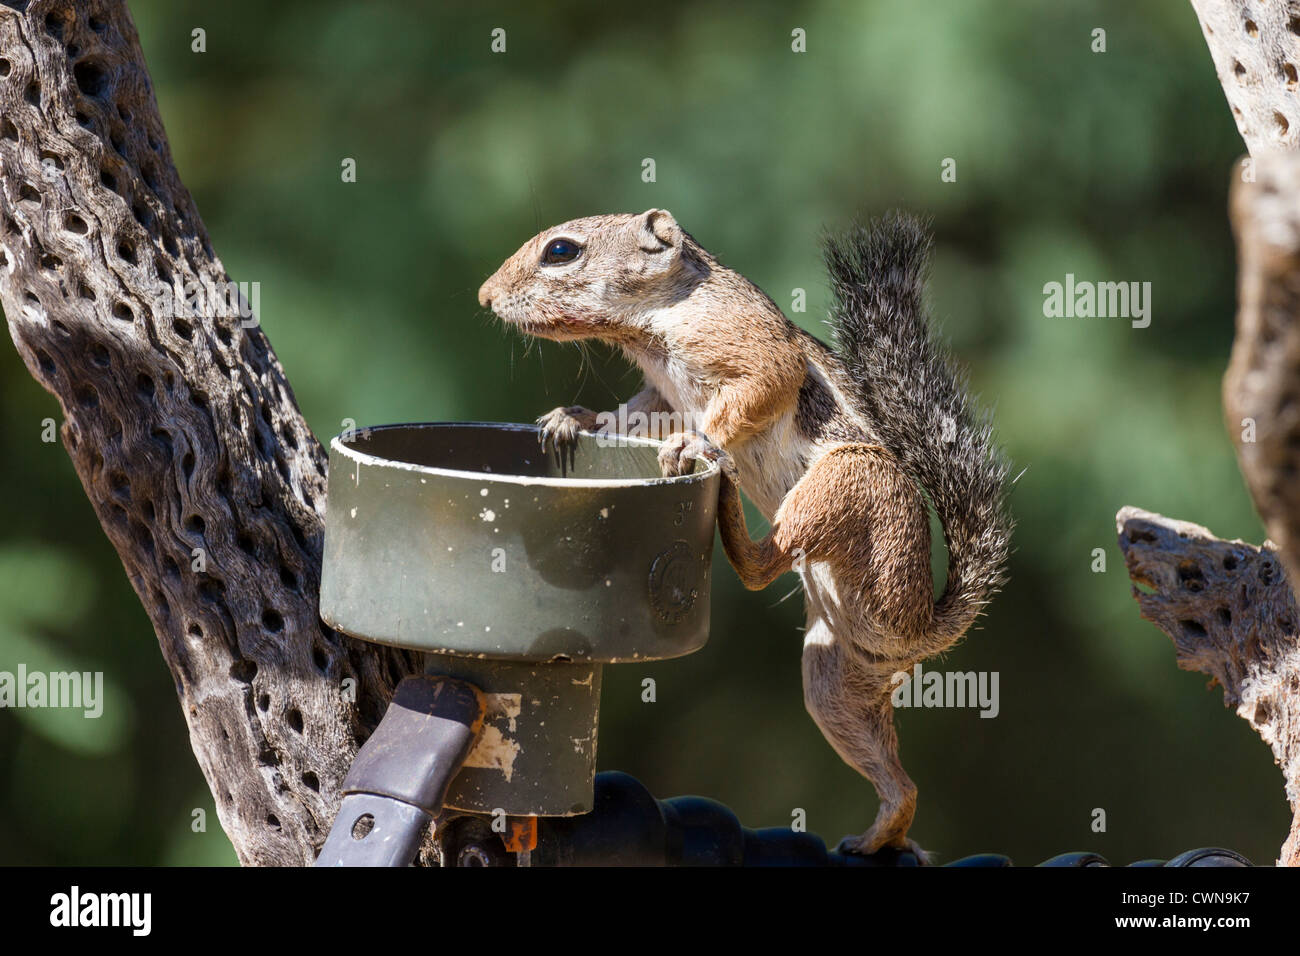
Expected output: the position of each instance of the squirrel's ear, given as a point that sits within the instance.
(659, 231)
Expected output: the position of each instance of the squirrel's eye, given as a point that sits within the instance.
(559, 251)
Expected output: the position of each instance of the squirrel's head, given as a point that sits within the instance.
(594, 277)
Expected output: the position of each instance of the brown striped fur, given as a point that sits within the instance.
(773, 405)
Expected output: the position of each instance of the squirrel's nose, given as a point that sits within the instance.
(485, 293)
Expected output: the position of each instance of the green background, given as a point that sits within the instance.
(1111, 166)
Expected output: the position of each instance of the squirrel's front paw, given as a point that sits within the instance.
(680, 450)
(560, 426)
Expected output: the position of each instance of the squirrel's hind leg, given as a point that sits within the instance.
(850, 701)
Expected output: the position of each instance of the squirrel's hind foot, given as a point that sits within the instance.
(867, 844)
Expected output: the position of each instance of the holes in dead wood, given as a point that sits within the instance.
(1286, 623)
(1292, 78)
(120, 485)
(1238, 69)
(117, 142)
(1281, 123)
(272, 620)
(198, 398)
(142, 215)
(1192, 629)
(90, 77)
(8, 130)
(171, 245)
(1230, 562)
(294, 717)
(272, 821)
(224, 335)
(100, 356)
(1190, 573)
(124, 112)
(84, 120)
(246, 543)
(268, 758)
(195, 631)
(143, 537)
(224, 484)
(264, 702)
(72, 50)
(74, 223)
(144, 387)
(150, 173)
(196, 524)
(320, 658)
(1266, 571)
(87, 397)
(28, 193)
(118, 514)
(171, 569)
(85, 292)
(126, 251)
(1225, 617)
(288, 578)
(164, 438)
(1138, 536)
(33, 93)
(100, 26)
(187, 465)
(1294, 25)
(288, 437)
(108, 180)
(45, 362)
(157, 148)
(54, 24)
(243, 670)
(311, 781)
(122, 312)
(183, 329)
(50, 262)
(161, 605)
(5, 66)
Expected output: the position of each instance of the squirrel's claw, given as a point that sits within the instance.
(559, 427)
(679, 452)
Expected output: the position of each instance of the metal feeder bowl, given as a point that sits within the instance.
(521, 573)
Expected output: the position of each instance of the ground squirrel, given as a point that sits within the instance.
(833, 445)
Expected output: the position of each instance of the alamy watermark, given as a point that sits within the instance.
(208, 298)
(947, 689)
(1101, 300)
(61, 689)
(612, 428)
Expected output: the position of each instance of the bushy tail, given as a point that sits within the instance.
(918, 402)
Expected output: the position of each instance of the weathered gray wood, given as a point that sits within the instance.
(1256, 51)
(1228, 609)
(183, 430)
(1261, 389)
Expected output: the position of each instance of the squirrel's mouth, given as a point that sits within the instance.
(556, 328)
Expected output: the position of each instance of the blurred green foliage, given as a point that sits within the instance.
(1111, 166)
